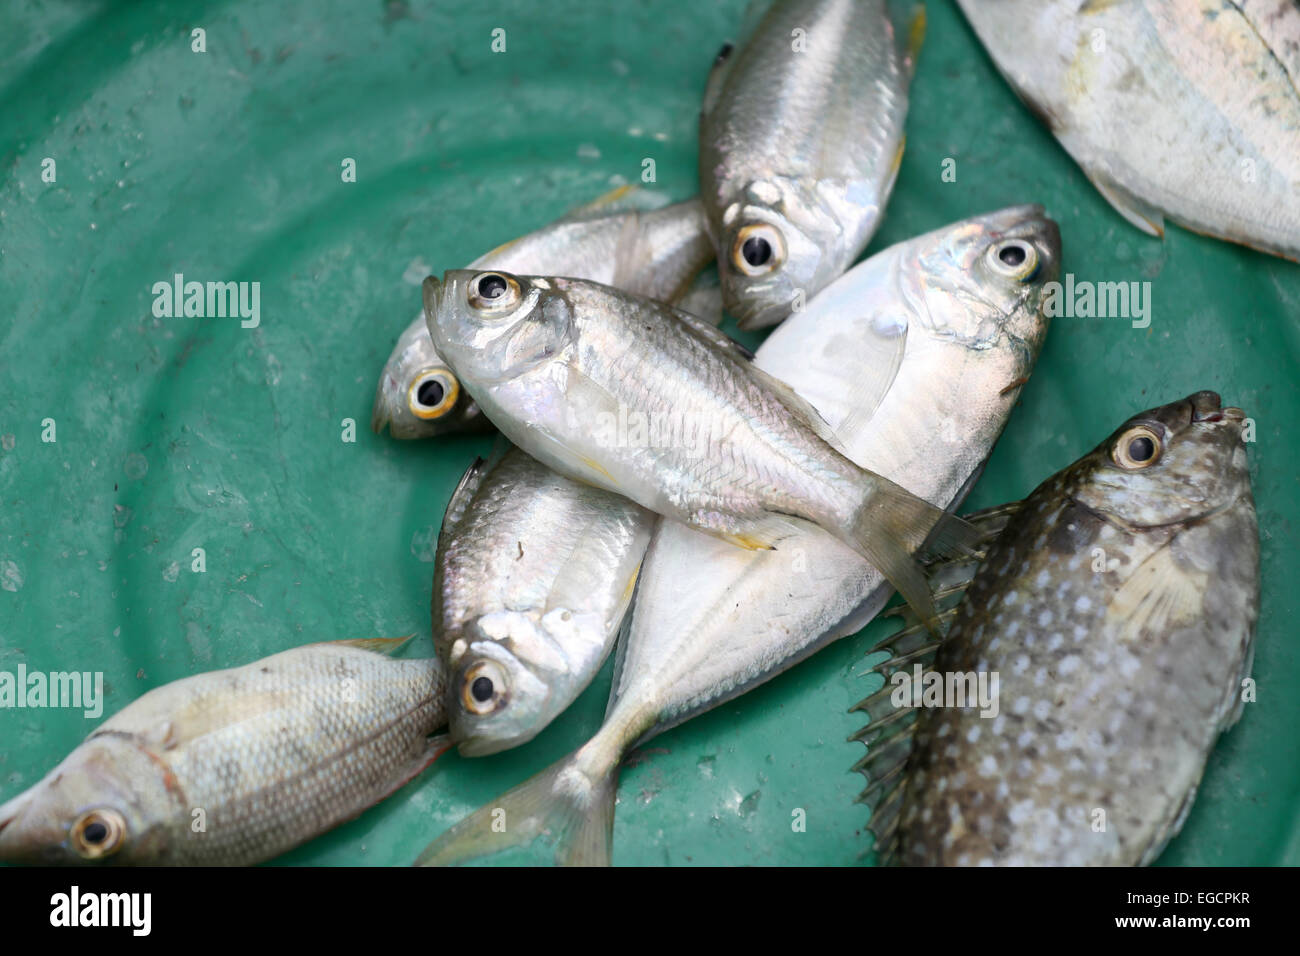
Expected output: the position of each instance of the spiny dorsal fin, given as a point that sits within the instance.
(888, 734)
(460, 498)
(380, 645)
(628, 198)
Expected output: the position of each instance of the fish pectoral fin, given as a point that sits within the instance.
(1160, 594)
(1137, 211)
(748, 541)
(434, 747)
(762, 534)
(379, 645)
(882, 357)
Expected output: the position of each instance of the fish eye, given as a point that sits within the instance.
(759, 248)
(483, 688)
(433, 393)
(98, 833)
(1137, 448)
(1014, 258)
(493, 292)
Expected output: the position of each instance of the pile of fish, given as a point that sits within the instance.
(718, 515)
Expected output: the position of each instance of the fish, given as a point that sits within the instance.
(948, 338)
(233, 767)
(801, 137)
(644, 400)
(1117, 605)
(653, 251)
(1186, 109)
(533, 575)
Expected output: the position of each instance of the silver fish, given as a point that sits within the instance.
(944, 331)
(533, 576)
(801, 136)
(235, 766)
(1118, 610)
(655, 252)
(646, 401)
(1182, 108)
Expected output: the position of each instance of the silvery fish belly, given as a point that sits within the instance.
(1182, 108)
(646, 401)
(651, 251)
(1118, 610)
(801, 135)
(916, 357)
(534, 575)
(235, 766)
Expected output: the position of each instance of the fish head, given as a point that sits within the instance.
(780, 242)
(419, 396)
(99, 806)
(998, 268)
(1169, 465)
(517, 672)
(492, 326)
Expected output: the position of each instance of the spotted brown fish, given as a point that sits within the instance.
(1118, 609)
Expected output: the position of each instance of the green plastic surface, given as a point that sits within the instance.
(177, 433)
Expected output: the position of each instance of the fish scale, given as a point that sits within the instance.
(1118, 609)
(1188, 109)
(236, 766)
(801, 133)
(655, 251)
(711, 620)
(521, 545)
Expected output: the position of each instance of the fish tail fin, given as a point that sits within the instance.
(563, 804)
(891, 526)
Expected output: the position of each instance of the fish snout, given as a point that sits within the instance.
(1206, 406)
(24, 839)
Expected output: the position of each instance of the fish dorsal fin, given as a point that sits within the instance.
(713, 335)
(630, 252)
(722, 64)
(889, 732)
(628, 198)
(460, 498)
(1160, 594)
(890, 729)
(725, 60)
(380, 645)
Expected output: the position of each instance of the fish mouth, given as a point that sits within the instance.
(753, 319)
(1208, 407)
(10, 850)
(380, 417)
